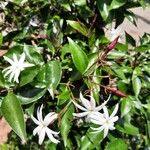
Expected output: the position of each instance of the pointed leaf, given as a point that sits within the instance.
(13, 113)
(79, 57)
(136, 83)
(66, 124)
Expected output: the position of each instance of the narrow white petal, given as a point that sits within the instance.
(15, 59)
(114, 119)
(106, 115)
(8, 60)
(98, 129)
(41, 136)
(37, 130)
(39, 113)
(115, 111)
(22, 58)
(52, 132)
(35, 120)
(51, 137)
(99, 121)
(26, 64)
(98, 108)
(16, 76)
(92, 102)
(83, 114)
(79, 106)
(85, 102)
(111, 127)
(12, 75)
(7, 72)
(7, 69)
(105, 131)
(50, 118)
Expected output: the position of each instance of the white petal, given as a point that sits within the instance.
(26, 64)
(52, 132)
(37, 130)
(50, 118)
(51, 137)
(16, 76)
(105, 131)
(106, 115)
(22, 58)
(83, 114)
(98, 108)
(15, 59)
(92, 102)
(97, 118)
(9, 60)
(79, 106)
(7, 71)
(114, 119)
(41, 136)
(115, 111)
(12, 75)
(39, 113)
(99, 129)
(35, 120)
(85, 102)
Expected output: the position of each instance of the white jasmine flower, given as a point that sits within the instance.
(105, 121)
(3, 5)
(88, 108)
(17, 65)
(43, 124)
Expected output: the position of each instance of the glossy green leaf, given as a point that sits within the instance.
(66, 124)
(1, 39)
(13, 113)
(126, 105)
(136, 83)
(28, 75)
(91, 140)
(103, 8)
(79, 57)
(117, 3)
(2, 80)
(80, 27)
(117, 145)
(31, 95)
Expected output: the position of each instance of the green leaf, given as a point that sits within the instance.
(1, 39)
(13, 113)
(117, 145)
(66, 124)
(28, 75)
(53, 75)
(2, 80)
(79, 57)
(103, 8)
(117, 3)
(126, 105)
(80, 27)
(91, 140)
(136, 83)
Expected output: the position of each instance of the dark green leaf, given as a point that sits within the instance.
(79, 57)
(117, 145)
(13, 113)
(66, 124)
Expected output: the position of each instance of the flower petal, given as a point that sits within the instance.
(39, 113)
(41, 135)
(115, 111)
(79, 106)
(106, 115)
(37, 130)
(92, 103)
(15, 59)
(51, 137)
(99, 129)
(83, 114)
(8, 60)
(50, 118)
(106, 129)
(35, 120)
(22, 58)
(114, 119)
(85, 102)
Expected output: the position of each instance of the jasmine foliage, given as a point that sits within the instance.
(71, 62)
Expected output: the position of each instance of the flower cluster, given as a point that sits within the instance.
(92, 114)
(17, 65)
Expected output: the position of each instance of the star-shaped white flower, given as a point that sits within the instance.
(105, 121)
(43, 124)
(17, 65)
(88, 107)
